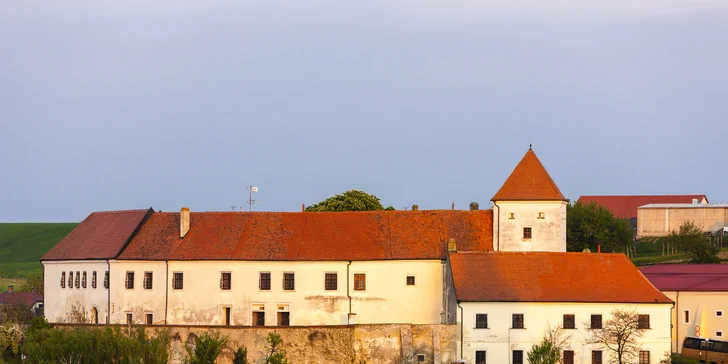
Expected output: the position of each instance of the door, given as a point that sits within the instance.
(94, 315)
(227, 316)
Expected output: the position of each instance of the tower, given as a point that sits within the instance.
(529, 211)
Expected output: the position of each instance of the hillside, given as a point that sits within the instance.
(22, 245)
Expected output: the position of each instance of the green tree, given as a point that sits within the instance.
(548, 351)
(33, 282)
(208, 347)
(241, 356)
(352, 200)
(694, 243)
(589, 225)
(274, 353)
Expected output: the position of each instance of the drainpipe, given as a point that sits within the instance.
(677, 320)
(348, 294)
(108, 294)
(461, 330)
(166, 290)
(498, 233)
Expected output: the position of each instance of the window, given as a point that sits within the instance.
(360, 282)
(420, 357)
(481, 321)
(129, 319)
(527, 233)
(410, 280)
(178, 280)
(541, 215)
(83, 281)
(596, 322)
(692, 343)
(719, 334)
(226, 312)
(129, 284)
(289, 283)
(596, 357)
(258, 315)
(70, 279)
(568, 357)
(517, 321)
(106, 279)
(264, 281)
(78, 279)
(686, 316)
(480, 357)
(147, 280)
(511, 215)
(149, 319)
(643, 321)
(225, 281)
(644, 357)
(569, 322)
(93, 280)
(63, 279)
(283, 315)
(719, 313)
(330, 281)
(517, 356)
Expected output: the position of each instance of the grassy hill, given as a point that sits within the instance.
(21, 245)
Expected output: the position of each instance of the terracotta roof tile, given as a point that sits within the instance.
(312, 236)
(102, 235)
(626, 206)
(23, 298)
(550, 277)
(529, 181)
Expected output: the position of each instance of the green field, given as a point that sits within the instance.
(22, 245)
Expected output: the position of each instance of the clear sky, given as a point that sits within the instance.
(110, 105)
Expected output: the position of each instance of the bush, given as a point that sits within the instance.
(274, 353)
(207, 348)
(677, 359)
(241, 356)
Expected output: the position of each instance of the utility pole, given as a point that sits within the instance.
(250, 201)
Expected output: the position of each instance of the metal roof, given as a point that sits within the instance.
(684, 205)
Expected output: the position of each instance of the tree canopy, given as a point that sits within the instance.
(352, 200)
(588, 225)
(697, 246)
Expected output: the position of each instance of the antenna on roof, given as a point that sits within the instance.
(530, 146)
(232, 207)
(250, 201)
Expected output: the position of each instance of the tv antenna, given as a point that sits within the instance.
(232, 207)
(250, 201)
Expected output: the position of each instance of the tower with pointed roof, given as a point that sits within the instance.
(529, 211)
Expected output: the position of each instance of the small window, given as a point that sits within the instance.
(410, 280)
(541, 215)
(178, 280)
(360, 282)
(480, 357)
(481, 321)
(517, 321)
(149, 319)
(719, 313)
(264, 281)
(258, 315)
(719, 334)
(569, 322)
(643, 321)
(568, 357)
(289, 283)
(147, 280)
(83, 281)
(527, 233)
(331, 281)
(106, 279)
(686, 316)
(70, 279)
(226, 312)
(129, 284)
(517, 356)
(93, 280)
(511, 215)
(225, 281)
(597, 357)
(129, 319)
(420, 358)
(63, 279)
(78, 279)
(596, 322)
(644, 357)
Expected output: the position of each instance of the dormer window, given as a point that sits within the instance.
(511, 215)
(541, 215)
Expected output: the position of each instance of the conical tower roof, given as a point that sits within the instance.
(529, 181)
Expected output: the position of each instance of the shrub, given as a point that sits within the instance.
(274, 353)
(207, 348)
(241, 356)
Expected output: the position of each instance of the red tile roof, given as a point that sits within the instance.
(102, 235)
(529, 181)
(312, 236)
(550, 277)
(688, 277)
(626, 206)
(23, 298)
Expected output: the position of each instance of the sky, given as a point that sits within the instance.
(108, 105)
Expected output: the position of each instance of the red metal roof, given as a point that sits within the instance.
(688, 277)
(529, 181)
(102, 235)
(550, 277)
(626, 206)
(23, 298)
(374, 235)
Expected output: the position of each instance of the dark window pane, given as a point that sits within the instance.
(225, 281)
(692, 343)
(360, 282)
(283, 318)
(517, 356)
(147, 280)
(289, 282)
(83, 281)
(569, 322)
(63, 279)
(93, 279)
(129, 319)
(259, 318)
(644, 357)
(70, 279)
(149, 319)
(597, 357)
(410, 280)
(517, 321)
(568, 357)
(596, 321)
(643, 322)
(331, 281)
(481, 321)
(78, 279)
(264, 282)
(527, 233)
(480, 357)
(129, 280)
(106, 280)
(178, 280)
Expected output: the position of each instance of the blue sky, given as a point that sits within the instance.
(117, 105)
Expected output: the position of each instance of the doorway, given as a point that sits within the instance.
(94, 315)
(227, 316)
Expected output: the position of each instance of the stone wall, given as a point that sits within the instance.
(377, 344)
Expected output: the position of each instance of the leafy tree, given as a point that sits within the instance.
(33, 282)
(352, 200)
(588, 225)
(274, 354)
(548, 351)
(241, 356)
(619, 336)
(694, 243)
(207, 348)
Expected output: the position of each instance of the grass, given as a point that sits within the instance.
(15, 282)
(22, 245)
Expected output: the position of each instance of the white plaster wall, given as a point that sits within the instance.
(58, 301)
(499, 340)
(701, 307)
(548, 234)
(387, 298)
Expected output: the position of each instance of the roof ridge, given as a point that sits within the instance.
(529, 181)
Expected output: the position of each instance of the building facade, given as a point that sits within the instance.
(663, 219)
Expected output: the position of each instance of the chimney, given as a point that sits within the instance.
(415, 208)
(184, 221)
(474, 206)
(452, 246)
(10, 289)
(303, 207)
